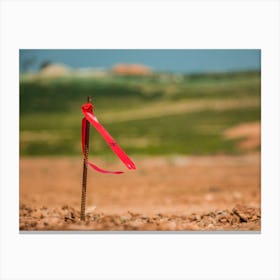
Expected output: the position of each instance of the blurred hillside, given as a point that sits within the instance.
(146, 112)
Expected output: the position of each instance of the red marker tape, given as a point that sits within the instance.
(87, 110)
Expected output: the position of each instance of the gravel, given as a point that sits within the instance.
(239, 218)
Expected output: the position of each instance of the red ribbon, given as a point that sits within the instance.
(87, 110)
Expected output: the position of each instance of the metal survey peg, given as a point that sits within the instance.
(85, 168)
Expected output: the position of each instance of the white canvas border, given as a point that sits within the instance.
(140, 24)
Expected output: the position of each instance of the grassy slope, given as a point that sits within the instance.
(145, 115)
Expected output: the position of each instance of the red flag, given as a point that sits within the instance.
(89, 116)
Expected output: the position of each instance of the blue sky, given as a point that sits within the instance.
(179, 61)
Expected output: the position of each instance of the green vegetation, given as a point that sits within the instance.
(146, 115)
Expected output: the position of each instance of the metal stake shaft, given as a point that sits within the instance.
(84, 184)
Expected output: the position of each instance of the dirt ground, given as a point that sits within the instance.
(248, 133)
(164, 193)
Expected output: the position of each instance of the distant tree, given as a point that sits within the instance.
(45, 64)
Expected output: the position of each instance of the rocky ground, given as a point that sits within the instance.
(67, 218)
(206, 193)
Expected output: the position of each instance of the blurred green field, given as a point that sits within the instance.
(146, 115)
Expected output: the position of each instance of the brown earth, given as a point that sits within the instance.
(248, 133)
(164, 193)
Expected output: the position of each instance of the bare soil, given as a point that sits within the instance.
(164, 193)
(248, 133)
